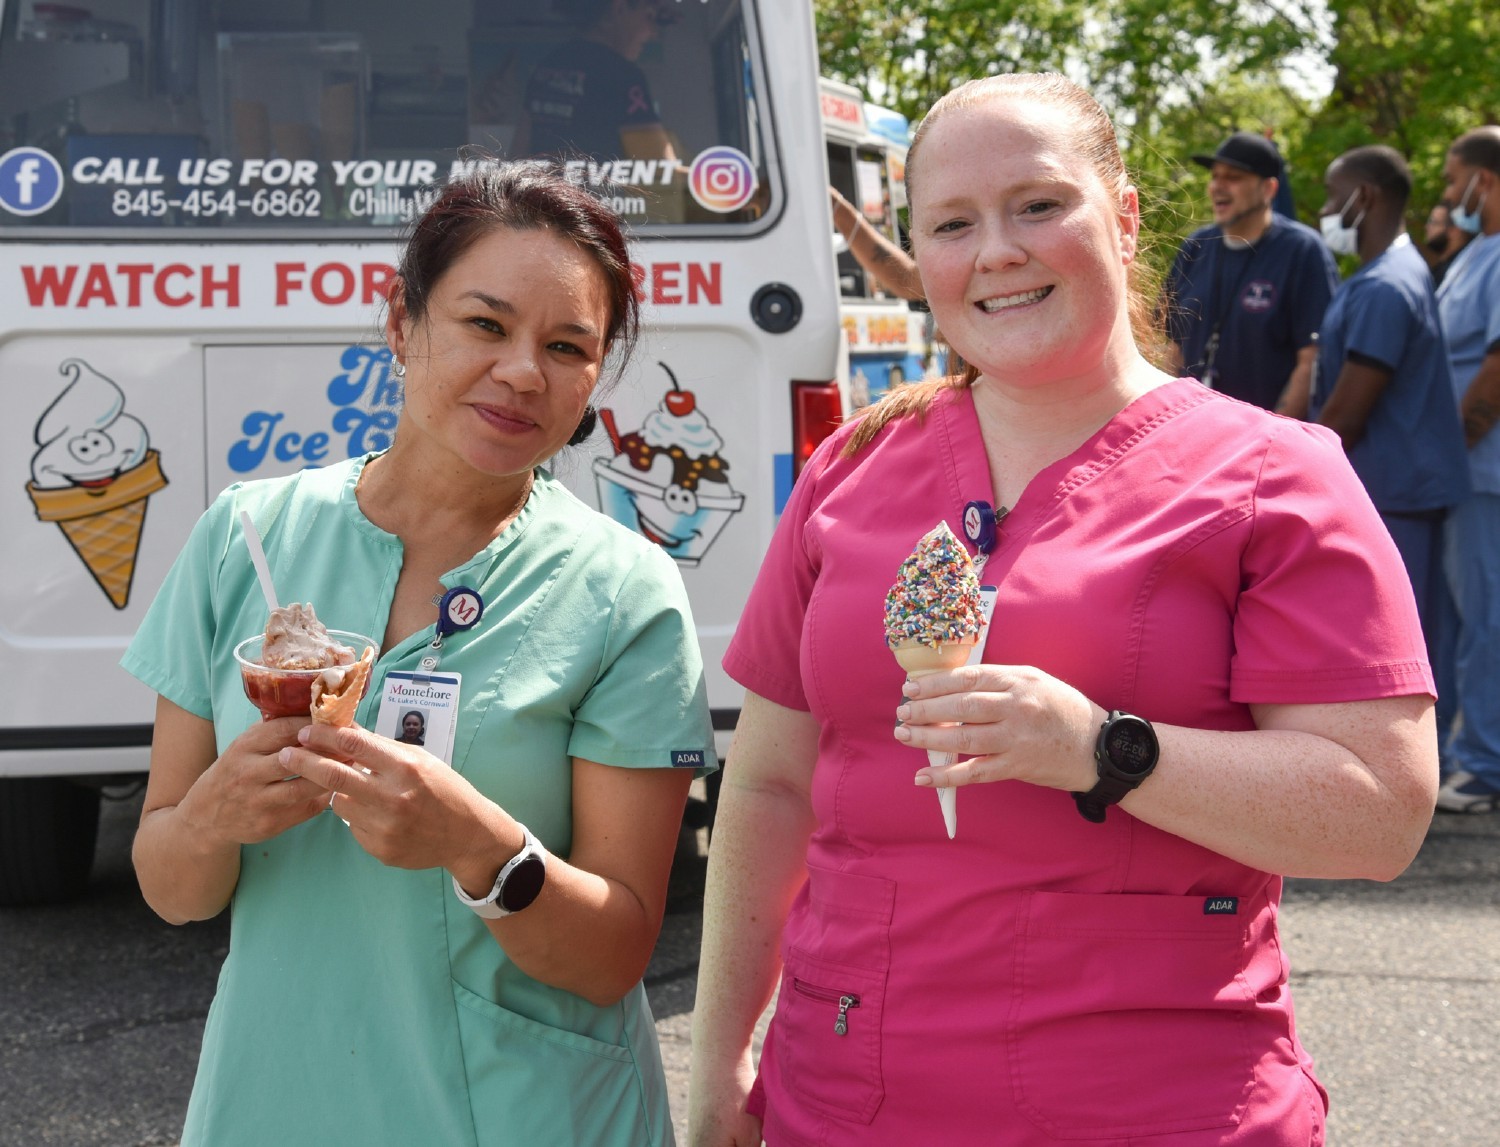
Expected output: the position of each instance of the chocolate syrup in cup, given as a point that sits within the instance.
(288, 692)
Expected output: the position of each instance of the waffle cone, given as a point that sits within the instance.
(104, 525)
(918, 658)
(336, 707)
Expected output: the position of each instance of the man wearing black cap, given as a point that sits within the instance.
(1246, 295)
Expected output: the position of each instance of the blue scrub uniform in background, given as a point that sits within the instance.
(1267, 301)
(1412, 458)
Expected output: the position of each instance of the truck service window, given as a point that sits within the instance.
(260, 116)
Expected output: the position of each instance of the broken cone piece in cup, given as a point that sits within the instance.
(297, 667)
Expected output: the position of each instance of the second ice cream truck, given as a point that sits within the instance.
(200, 205)
(886, 338)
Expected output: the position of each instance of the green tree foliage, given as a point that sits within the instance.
(1179, 75)
(1174, 74)
(1413, 74)
(906, 55)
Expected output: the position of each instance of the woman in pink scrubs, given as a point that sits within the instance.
(1101, 970)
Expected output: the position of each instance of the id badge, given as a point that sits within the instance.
(421, 709)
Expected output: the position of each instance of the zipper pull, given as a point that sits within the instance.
(841, 1024)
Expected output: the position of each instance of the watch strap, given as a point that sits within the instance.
(1112, 786)
(1108, 791)
(492, 906)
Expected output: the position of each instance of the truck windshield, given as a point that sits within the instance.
(341, 116)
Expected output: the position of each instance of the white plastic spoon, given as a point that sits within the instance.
(258, 559)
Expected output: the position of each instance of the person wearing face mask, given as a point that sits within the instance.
(1441, 241)
(1469, 305)
(1383, 384)
(1246, 294)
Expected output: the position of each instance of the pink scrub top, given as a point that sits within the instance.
(1041, 979)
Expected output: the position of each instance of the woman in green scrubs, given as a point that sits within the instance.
(435, 944)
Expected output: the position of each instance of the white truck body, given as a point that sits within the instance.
(249, 346)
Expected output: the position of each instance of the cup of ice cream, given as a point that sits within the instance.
(293, 665)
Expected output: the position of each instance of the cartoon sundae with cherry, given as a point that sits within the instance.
(669, 480)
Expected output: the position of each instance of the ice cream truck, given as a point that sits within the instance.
(886, 338)
(200, 206)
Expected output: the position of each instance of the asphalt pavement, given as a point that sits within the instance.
(102, 1004)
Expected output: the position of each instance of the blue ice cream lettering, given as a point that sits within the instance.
(366, 400)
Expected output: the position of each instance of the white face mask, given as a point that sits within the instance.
(1465, 220)
(1341, 240)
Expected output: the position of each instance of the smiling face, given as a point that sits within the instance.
(1235, 194)
(502, 364)
(1021, 247)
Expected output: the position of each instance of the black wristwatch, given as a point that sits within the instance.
(518, 883)
(1126, 754)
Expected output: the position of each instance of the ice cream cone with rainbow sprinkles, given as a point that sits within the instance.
(933, 619)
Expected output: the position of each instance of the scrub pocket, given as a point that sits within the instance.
(1136, 1015)
(530, 1083)
(832, 1001)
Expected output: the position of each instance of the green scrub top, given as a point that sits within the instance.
(365, 1004)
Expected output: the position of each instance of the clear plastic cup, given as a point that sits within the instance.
(287, 692)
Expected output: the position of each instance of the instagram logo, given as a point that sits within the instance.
(722, 179)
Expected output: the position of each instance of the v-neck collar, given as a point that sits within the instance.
(967, 468)
(540, 488)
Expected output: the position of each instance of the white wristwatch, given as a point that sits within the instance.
(517, 885)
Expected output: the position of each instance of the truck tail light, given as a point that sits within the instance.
(817, 411)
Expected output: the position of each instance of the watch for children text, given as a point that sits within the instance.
(1125, 755)
(518, 884)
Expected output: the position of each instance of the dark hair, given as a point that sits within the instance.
(1479, 148)
(531, 195)
(1383, 166)
(417, 713)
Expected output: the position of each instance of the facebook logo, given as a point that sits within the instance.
(31, 181)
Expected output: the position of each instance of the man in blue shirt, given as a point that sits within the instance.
(1469, 305)
(1245, 295)
(1382, 382)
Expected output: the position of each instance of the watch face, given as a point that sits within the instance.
(1131, 746)
(523, 884)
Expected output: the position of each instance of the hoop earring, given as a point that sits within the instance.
(398, 369)
(585, 426)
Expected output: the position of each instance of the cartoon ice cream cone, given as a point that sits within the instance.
(103, 524)
(92, 474)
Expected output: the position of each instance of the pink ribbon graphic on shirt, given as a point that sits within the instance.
(637, 96)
